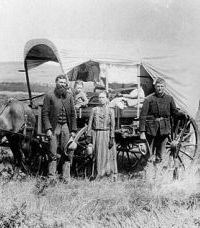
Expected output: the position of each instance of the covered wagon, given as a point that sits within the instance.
(119, 67)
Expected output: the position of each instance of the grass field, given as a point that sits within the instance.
(154, 201)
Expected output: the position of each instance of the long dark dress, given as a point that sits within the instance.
(101, 127)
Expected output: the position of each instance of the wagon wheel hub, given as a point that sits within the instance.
(174, 145)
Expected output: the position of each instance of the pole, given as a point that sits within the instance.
(28, 83)
(106, 79)
(138, 98)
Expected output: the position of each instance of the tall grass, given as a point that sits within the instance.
(137, 202)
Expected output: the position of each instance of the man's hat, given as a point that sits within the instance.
(159, 81)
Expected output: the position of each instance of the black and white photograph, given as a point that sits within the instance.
(99, 113)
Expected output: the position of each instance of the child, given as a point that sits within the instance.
(80, 96)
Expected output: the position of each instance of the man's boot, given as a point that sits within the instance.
(66, 172)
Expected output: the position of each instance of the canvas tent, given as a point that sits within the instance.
(124, 62)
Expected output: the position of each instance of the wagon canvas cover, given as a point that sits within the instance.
(119, 59)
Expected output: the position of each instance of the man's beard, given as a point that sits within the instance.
(61, 91)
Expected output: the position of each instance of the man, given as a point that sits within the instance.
(155, 116)
(59, 119)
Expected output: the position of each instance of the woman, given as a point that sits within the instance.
(101, 133)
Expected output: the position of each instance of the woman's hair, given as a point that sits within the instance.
(78, 82)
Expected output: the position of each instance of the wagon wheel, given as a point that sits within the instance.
(128, 156)
(82, 162)
(182, 145)
(132, 152)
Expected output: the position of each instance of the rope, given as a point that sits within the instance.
(32, 98)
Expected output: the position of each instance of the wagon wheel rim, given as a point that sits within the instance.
(182, 144)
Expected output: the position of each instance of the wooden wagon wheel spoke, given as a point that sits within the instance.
(189, 144)
(189, 122)
(186, 154)
(187, 136)
(79, 144)
(176, 130)
(135, 154)
(181, 162)
(118, 147)
(183, 142)
(127, 154)
(136, 160)
(169, 139)
(83, 141)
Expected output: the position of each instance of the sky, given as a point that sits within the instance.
(172, 23)
(161, 21)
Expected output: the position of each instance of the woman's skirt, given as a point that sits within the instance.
(106, 160)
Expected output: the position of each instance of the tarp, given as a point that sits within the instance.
(119, 62)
